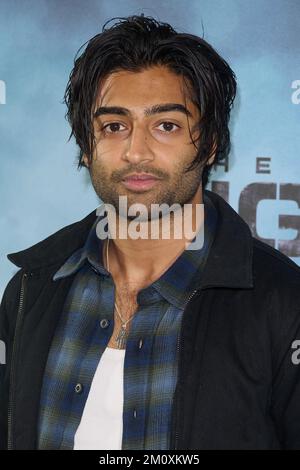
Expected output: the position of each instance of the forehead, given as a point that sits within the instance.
(140, 89)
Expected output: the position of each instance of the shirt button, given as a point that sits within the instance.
(140, 343)
(104, 323)
(78, 388)
(134, 414)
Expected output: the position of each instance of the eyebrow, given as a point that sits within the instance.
(155, 109)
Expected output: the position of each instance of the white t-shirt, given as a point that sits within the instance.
(101, 425)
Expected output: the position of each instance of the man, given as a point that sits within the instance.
(146, 343)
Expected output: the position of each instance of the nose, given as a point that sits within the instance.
(138, 149)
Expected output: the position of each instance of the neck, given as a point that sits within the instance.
(141, 261)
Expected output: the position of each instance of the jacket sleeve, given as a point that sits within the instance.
(285, 404)
(8, 310)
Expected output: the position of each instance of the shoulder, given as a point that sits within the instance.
(276, 279)
(272, 266)
(277, 288)
(56, 247)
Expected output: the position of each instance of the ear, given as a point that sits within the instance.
(84, 159)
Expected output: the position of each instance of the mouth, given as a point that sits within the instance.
(140, 182)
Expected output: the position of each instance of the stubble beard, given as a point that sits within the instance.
(179, 188)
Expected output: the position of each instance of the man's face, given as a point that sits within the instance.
(132, 141)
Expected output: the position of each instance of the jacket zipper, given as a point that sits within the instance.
(15, 350)
(178, 355)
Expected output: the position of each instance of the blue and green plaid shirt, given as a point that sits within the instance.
(84, 330)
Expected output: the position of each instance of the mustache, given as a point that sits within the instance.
(118, 175)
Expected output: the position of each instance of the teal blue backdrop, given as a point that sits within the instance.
(40, 187)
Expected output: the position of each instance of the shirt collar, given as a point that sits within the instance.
(186, 273)
(175, 285)
(91, 253)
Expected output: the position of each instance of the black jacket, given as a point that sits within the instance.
(238, 385)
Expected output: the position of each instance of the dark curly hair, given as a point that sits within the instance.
(135, 43)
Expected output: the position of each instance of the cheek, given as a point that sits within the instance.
(103, 155)
(110, 150)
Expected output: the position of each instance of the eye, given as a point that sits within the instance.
(168, 127)
(113, 126)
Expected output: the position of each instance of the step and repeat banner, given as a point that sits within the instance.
(40, 188)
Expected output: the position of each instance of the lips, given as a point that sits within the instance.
(140, 177)
(140, 182)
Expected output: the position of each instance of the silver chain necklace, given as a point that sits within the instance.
(123, 333)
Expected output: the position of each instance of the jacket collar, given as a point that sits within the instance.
(229, 263)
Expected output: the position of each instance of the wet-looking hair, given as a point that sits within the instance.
(136, 43)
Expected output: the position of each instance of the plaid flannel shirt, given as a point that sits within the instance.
(151, 359)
